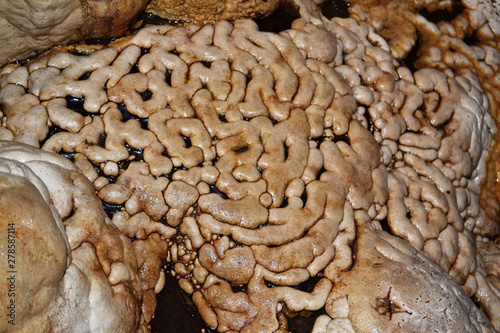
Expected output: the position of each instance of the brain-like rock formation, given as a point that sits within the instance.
(258, 163)
(457, 39)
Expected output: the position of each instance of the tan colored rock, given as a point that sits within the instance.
(33, 248)
(263, 161)
(69, 268)
(391, 288)
(29, 27)
(211, 10)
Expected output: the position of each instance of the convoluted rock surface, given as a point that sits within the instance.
(375, 295)
(211, 10)
(70, 270)
(257, 163)
(29, 27)
(455, 38)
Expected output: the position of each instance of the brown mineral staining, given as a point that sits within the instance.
(35, 237)
(69, 256)
(211, 10)
(255, 162)
(151, 254)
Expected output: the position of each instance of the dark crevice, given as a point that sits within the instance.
(102, 140)
(111, 179)
(163, 220)
(71, 214)
(238, 289)
(478, 303)
(308, 286)
(111, 209)
(126, 115)
(69, 155)
(369, 121)
(168, 77)
(280, 20)
(303, 321)
(270, 284)
(135, 68)
(440, 15)
(149, 19)
(146, 95)
(471, 40)
(318, 140)
(76, 104)
(385, 306)
(214, 189)
(146, 19)
(97, 41)
(447, 130)
(176, 311)
(412, 56)
(303, 197)
(236, 244)
(242, 149)
(174, 169)
(84, 76)
(52, 131)
(285, 148)
(335, 8)
(187, 141)
(137, 153)
(343, 138)
(385, 225)
(284, 203)
(23, 62)
(320, 172)
(78, 52)
(222, 117)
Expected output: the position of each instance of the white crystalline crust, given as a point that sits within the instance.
(256, 161)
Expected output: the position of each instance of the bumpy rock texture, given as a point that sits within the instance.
(255, 162)
(72, 269)
(29, 27)
(211, 10)
(457, 39)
